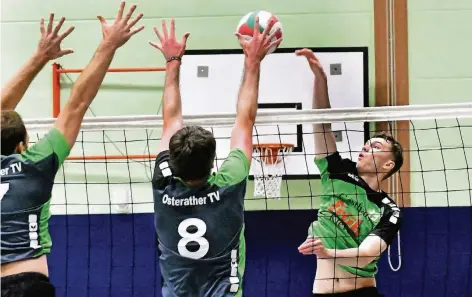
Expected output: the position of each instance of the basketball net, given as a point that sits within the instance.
(268, 168)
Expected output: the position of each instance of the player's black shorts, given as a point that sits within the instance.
(28, 284)
(364, 292)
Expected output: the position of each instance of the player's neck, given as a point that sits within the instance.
(196, 183)
(373, 180)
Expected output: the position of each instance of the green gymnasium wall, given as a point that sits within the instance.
(440, 43)
(439, 47)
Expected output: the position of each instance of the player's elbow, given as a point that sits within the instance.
(77, 102)
(369, 253)
(364, 261)
(246, 112)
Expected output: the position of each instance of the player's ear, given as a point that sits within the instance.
(388, 166)
(20, 147)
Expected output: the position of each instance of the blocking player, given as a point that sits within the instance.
(356, 220)
(199, 215)
(28, 172)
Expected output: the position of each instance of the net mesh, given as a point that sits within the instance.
(102, 205)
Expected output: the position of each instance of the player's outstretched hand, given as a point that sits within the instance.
(260, 43)
(313, 61)
(120, 31)
(313, 246)
(170, 47)
(49, 45)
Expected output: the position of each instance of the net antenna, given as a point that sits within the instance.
(269, 168)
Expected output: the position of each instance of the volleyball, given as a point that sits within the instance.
(247, 23)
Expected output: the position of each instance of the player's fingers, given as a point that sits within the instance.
(51, 21)
(135, 21)
(241, 38)
(101, 19)
(306, 53)
(275, 43)
(268, 28)
(58, 26)
(41, 26)
(184, 39)
(155, 45)
(135, 31)
(257, 28)
(301, 52)
(130, 13)
(172, 28)
(308, 244)
(66, 52)
(159, 36)
(271, 37)
(121, 9)
(66, 33)
(164, 30)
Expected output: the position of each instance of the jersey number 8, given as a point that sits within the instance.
(197, 236)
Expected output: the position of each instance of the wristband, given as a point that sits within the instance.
(174, 58)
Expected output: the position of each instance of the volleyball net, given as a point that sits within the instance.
(110, 168)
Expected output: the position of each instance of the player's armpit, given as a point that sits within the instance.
(234, 170)
(334, 164)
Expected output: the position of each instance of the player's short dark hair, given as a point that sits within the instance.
(397, 151)
(192, 153)
(13, 131)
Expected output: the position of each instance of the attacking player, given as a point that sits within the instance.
(28, 172)
(200, 215)
(356, 220)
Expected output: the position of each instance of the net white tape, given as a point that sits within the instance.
(334, 115)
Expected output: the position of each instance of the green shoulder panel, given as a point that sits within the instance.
(53, 142)
(234, 170)
(322, 164)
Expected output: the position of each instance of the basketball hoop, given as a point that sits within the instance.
(269, 168)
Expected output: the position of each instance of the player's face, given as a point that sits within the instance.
(376, 157)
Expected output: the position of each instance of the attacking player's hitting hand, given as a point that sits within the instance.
(120, 31)
(49, 46)
(314, 246)
(313, 61)
(170, 47)
(260, 43)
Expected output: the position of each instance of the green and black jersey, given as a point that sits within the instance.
(201, 230)
(350, 210)
(26, 184)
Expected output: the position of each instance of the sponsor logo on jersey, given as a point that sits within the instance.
(33, 231)
(211, 197)
(234, 279)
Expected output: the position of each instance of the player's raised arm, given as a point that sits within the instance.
(173, 51)
(49, 48)
(115, 34)
(325, 144)
(254, 50)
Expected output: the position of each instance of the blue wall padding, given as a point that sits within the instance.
(115, 255)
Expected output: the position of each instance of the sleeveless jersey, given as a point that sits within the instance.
(201, 230)
(26, 184)
(350, 210)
